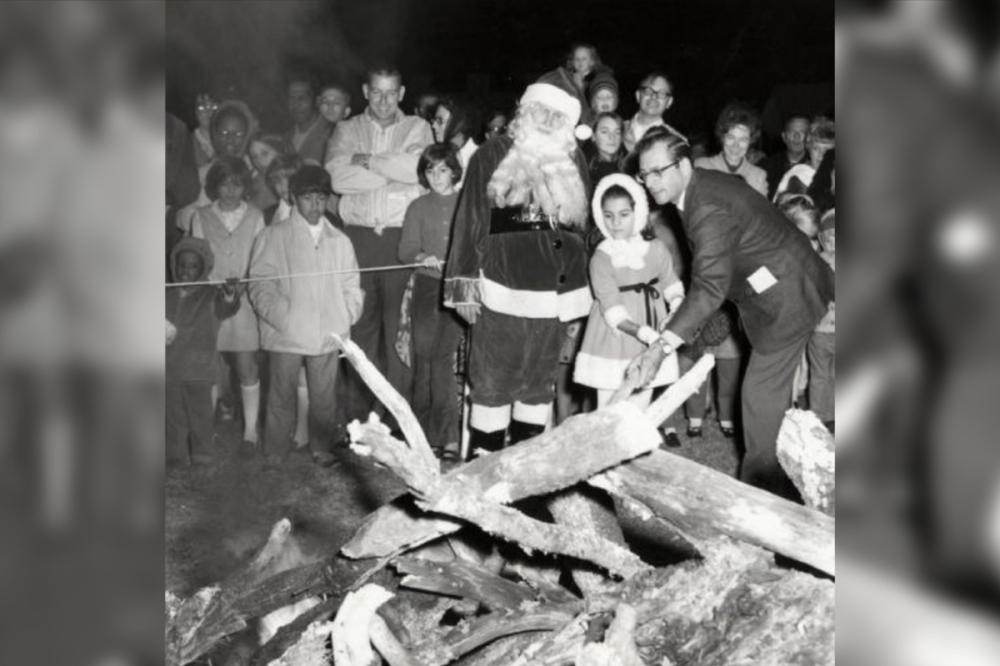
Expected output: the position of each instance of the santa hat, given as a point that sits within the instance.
(641, 208)
(553, 97)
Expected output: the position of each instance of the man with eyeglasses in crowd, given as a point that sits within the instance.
(655, 95)
(743, 250)
(373, 164)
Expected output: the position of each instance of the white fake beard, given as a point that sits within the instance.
(540, 167)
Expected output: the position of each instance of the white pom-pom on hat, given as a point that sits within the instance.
(583, 132)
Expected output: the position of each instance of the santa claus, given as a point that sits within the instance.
(517, 268)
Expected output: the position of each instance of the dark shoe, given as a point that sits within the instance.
(694, 431)
(488, 442)
(249, 449)
(727, 432)
(520, 431)
(671, 440)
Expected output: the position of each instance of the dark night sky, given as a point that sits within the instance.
(714, 50)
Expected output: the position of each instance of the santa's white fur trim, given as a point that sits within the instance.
(641, 209)
(553, 97)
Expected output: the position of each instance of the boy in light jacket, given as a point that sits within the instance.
(299, 314)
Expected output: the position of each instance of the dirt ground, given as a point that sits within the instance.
(217, 515)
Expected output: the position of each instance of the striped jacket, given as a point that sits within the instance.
(377, 197)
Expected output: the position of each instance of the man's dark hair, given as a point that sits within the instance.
(677, 147)
(656, 74)
(301, 77)
(435, 154)
(335, 85)
(794, 116)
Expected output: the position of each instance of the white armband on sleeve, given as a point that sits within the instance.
(615, 315)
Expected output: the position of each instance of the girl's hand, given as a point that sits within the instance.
(430, 261)
(229, 288)
(647, 335)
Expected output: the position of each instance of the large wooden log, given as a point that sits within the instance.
(806, 452)
(582, 446)
(704, 504)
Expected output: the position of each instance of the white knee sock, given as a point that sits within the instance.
(302, 416)
(251, 410)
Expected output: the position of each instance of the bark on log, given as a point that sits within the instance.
(806, 452)
(703, 504)
(534, 535)
(581, 509)
(618, 647)
(582, 446)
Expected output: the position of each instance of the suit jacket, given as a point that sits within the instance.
(744, 250)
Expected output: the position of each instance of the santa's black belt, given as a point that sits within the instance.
(509, 220)
(650, 294)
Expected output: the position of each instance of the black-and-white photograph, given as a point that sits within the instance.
(500, 333)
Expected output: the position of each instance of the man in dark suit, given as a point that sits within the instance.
(744, 250)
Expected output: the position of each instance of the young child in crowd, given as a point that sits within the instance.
(193, 316)
(436, 329)
(822, 345)
(299, 314)
(278, 173)
(800, 209)
(636, 290)
(230, 225)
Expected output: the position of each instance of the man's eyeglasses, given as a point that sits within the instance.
(231, 134)
(644, 176)
(658, 94)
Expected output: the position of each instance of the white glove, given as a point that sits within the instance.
(171, 331)
(647, 335)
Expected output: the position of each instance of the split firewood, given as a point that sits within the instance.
(351, 627)
(195, 625)
(534, 535)
(806, 452)
(705, 504)
(388, 645)
(444, 648)
(393, 401)
(582, 446)
(374, 439)
(464, 579)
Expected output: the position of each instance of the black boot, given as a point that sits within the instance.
(520, 431)
(490, 442)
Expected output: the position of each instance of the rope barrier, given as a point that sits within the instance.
(212, 283)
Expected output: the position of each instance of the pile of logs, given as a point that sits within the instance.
(492, 594)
